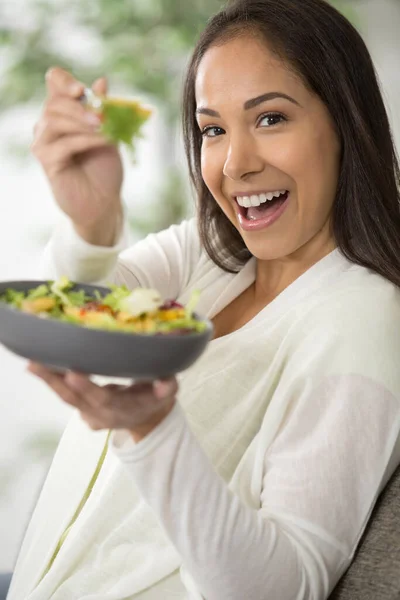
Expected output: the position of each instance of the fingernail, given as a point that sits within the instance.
(36, 370)
(76, 89)
(163, 389)
(92, 119)
(73, 380)
(100, 80)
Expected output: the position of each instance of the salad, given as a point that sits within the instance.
(122, 119)
(139, 311)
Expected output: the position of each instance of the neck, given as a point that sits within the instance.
(275, 275)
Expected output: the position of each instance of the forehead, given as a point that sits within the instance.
(243, 68)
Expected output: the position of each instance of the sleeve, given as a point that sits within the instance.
(164, 260)
(322, 474)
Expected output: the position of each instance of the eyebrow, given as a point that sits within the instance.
(252, 103)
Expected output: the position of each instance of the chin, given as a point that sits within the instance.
(269, 249)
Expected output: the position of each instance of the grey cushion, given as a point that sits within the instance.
(374, 573)
(5, 579)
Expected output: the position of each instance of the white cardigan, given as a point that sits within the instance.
(260, 482)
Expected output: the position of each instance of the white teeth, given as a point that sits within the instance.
(256, 200)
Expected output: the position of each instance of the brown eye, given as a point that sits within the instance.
(212, 131)
(270, 119)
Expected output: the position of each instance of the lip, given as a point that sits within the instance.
(260, 224)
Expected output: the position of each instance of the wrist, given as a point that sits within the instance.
(141, 431)
(104, 232)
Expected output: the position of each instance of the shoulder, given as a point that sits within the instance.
(358, 298)
(350, 327)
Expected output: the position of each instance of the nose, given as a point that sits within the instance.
(242, 159)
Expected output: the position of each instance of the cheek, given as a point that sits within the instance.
(326, 160)
(210, 169)
(315, 163)
(288, 153)
(287, 157)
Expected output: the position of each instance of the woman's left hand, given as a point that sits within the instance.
(139, 407)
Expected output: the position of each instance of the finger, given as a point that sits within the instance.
(65, 107)
(143, 395)
(56, 382)
(93, 394)
(94, 423)
(165, 388)
(114, 387)
(61, 83)
(51, 130)
(100, 86)
(62, 151)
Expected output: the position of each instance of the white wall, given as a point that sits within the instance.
(380, 26)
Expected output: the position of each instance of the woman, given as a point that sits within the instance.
(253, 476)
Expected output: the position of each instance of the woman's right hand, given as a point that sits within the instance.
(84, 170)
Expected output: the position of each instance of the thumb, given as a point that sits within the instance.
(100, 86)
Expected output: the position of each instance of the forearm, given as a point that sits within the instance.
(67, 253)
(229, 549)
(163, 261)
(105, 233)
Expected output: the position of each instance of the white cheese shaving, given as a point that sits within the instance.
(141, 300)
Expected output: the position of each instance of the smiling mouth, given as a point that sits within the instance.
(259, 206)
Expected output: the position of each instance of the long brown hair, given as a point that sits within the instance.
(328, 53)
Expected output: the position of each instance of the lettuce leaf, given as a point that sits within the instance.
(13, 297)
(38, 292)
(122, 121)
(113, 299)
(192, 303)
(58, 287)
(187, 323)
(78, 298)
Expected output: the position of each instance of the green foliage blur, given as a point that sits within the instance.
(143, 44)
(140, 45)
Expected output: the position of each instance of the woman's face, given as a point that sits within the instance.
(264, 133)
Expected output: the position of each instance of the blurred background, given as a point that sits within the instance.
(142, 46)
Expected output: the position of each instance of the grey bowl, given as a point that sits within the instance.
(64, 346)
